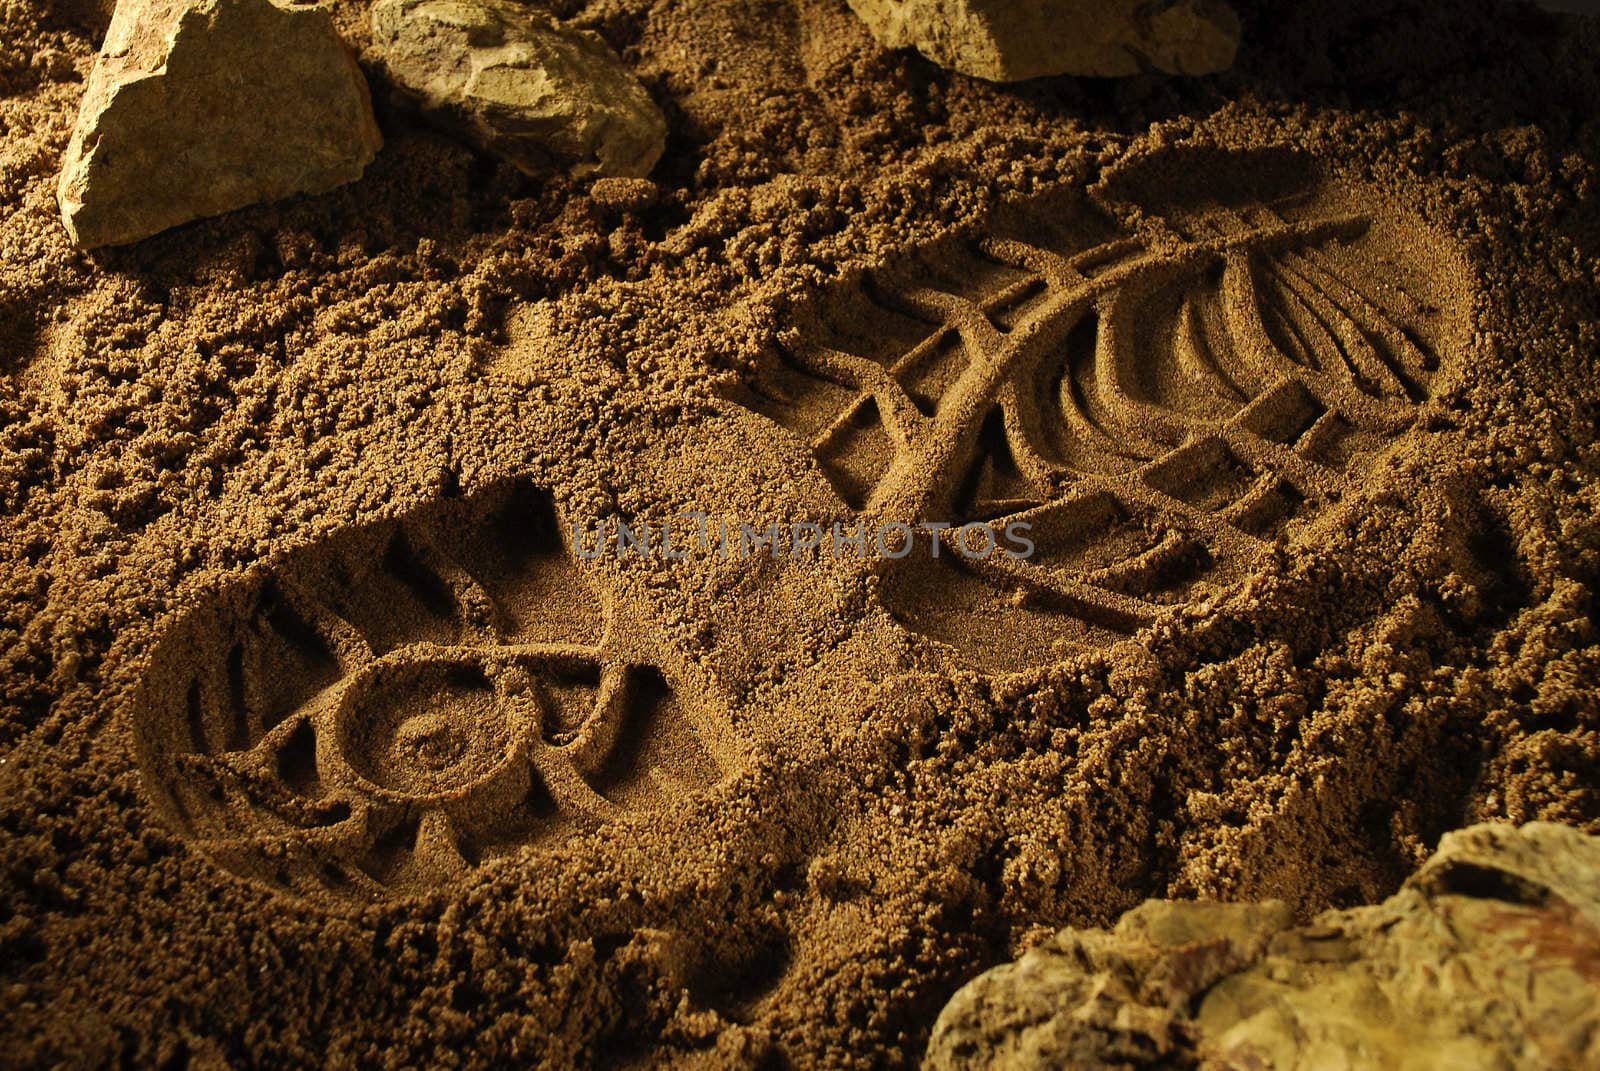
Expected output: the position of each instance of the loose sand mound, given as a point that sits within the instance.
(326, 741)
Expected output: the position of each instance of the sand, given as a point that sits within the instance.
(325, 743)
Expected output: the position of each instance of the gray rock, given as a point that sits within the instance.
(199, 107)
(1009, 40)
(510, 81)
(1489, 957)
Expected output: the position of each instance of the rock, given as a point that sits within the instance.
(1489, 956)
(199, 107)
(1009, 40)
(510, 81)
(1089, 998)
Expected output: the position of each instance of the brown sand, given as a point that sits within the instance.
(321, 745)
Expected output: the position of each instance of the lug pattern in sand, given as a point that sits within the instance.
(378, 714)
(1158, 408)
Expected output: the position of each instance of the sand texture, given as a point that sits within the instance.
(325, 742)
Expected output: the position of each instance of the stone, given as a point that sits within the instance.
(1010, 40)
(511, 81)
(199, 107)
(1489, 956)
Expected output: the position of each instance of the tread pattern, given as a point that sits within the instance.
(377, 715)
(1158, 408)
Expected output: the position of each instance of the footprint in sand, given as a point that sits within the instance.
(377, 714)
(1158, 405)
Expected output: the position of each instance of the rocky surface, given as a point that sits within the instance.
(199, 107)
(1006, 40)
(512, 82)
(1488, 957)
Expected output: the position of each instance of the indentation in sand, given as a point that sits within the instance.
(1159, 403)
(378, 714)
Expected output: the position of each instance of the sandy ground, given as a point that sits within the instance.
(323, 742)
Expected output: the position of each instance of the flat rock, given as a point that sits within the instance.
(199, 107)
(1009, 40)
(511, 81)
(1488, 957)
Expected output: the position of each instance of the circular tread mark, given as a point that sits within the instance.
(380, 713)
